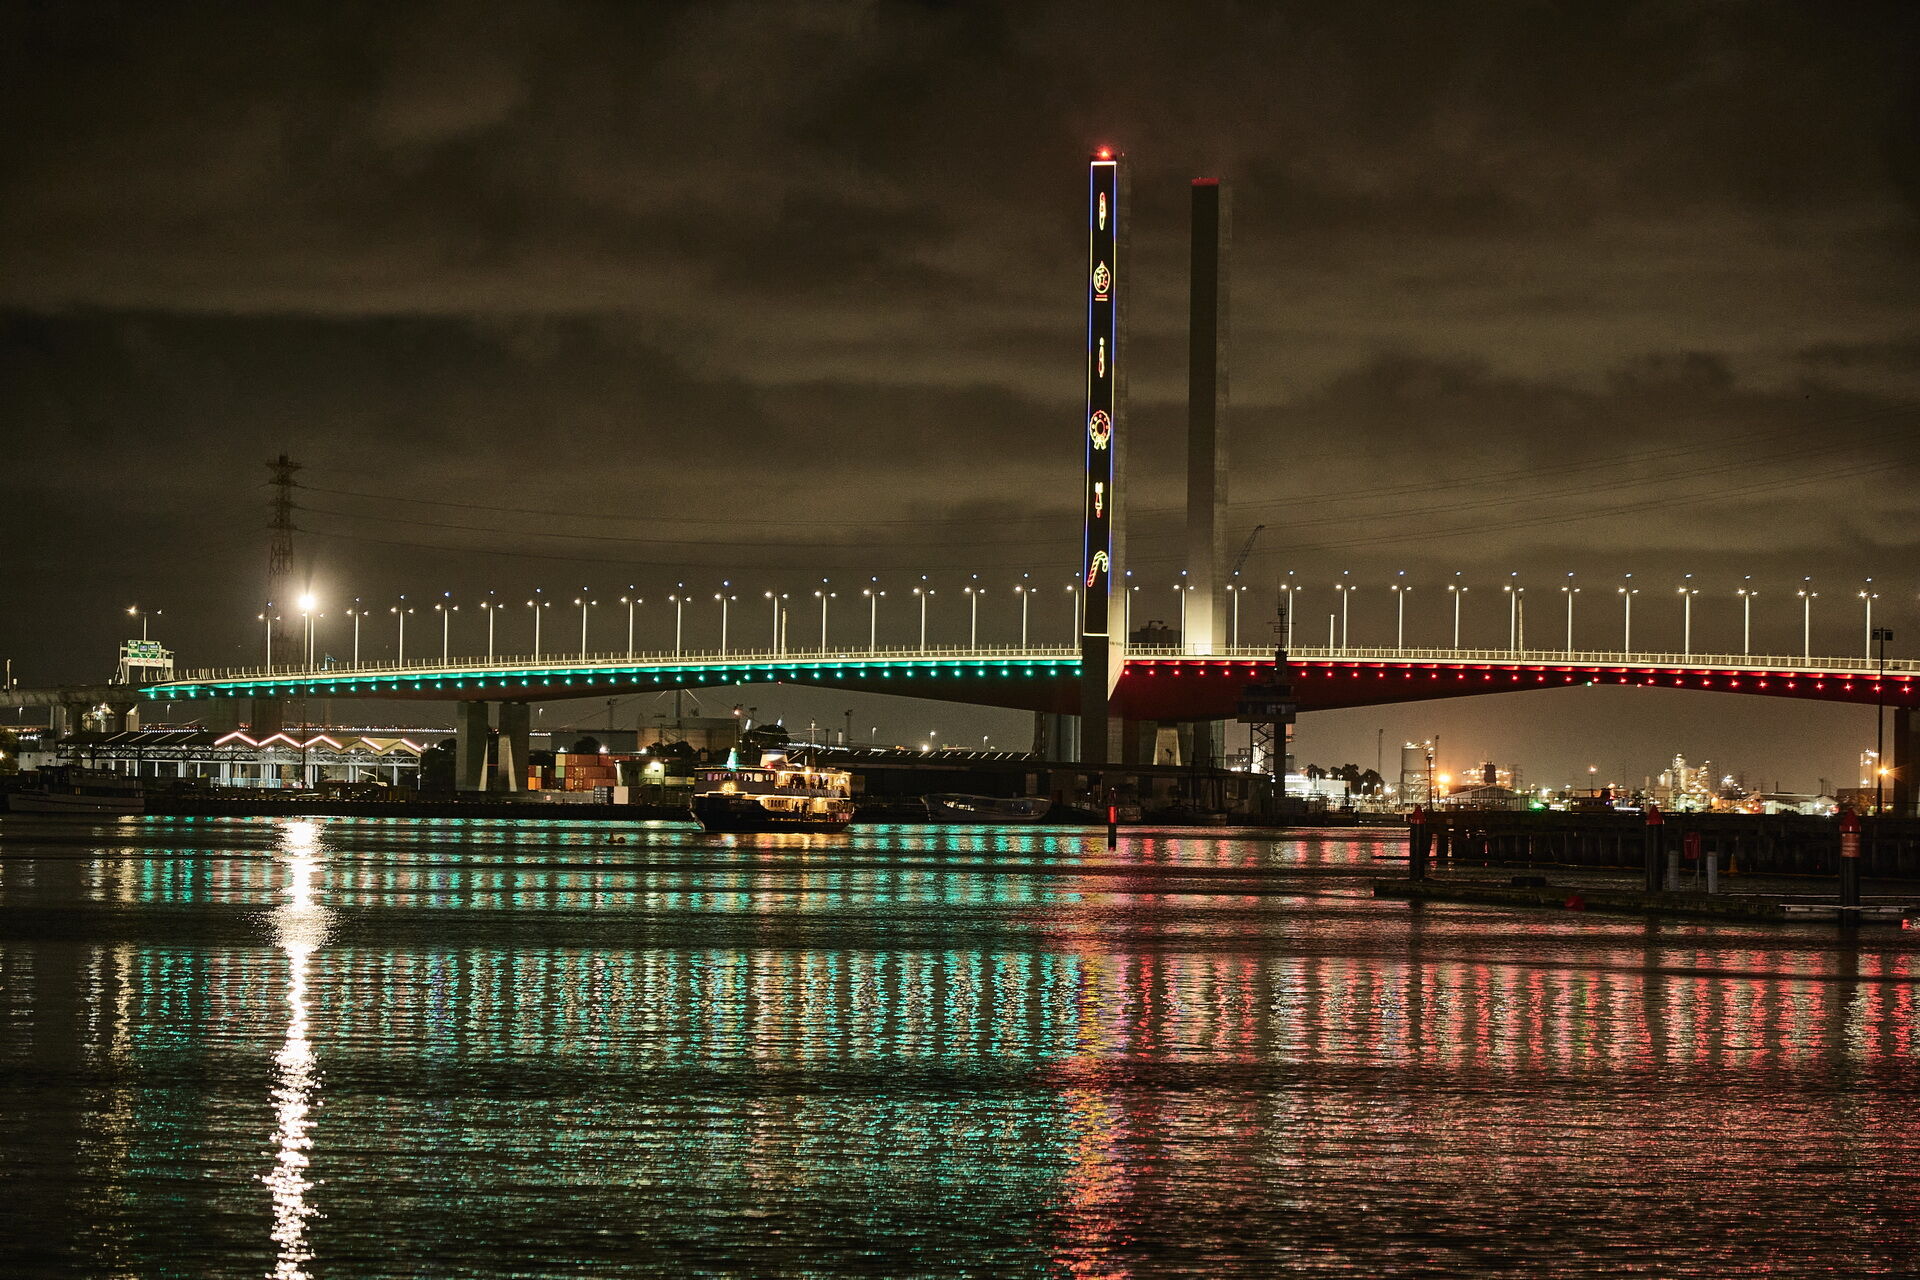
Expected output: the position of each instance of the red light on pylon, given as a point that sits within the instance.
(1104, 153)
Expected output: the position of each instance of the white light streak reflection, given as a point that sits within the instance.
(300, 927)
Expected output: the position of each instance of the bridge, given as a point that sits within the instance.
(1157, 684)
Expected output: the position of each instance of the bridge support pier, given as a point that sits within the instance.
(516, 721)
(1904, 734)
(470, 748)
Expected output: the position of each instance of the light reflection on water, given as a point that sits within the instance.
(909, 1051)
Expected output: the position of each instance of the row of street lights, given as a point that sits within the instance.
(1338, 624)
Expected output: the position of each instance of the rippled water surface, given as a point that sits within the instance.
(342, 1047)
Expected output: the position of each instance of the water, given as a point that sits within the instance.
(258, 1047)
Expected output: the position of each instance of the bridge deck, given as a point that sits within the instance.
(1156, 682)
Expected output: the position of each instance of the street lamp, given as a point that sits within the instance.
(307, 604)
(726, 597)
(1687, 593)
(135, 611)
(1746, 595)
(1022, 590)
(1287, 592)
(1514, 592)
(356, 613)
(1073, 609)
(1807, 597)
(679, 599)
(1627, 593)
(585, 604)
(400, 612)
(446, 612)
(924, 593)
(873, 594)
(773, 600)
(1126, 607)
(269, 618)
(1867, 597)
(823, 595)
(1346, 590)
(632, 602)
(539, 605)
(1570, 591)
(1400, 591)
(973, 613)
(1459, 593)
(1181, 588)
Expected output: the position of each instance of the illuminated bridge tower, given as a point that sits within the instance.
(1102, 635)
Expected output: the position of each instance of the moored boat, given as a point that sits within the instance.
(87, 792)
(778, 794)
(953, 808)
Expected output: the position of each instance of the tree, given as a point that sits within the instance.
(586, 746)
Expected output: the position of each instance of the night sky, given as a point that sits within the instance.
(596, 295)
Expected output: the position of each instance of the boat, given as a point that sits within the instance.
(88, 792)
(778, 794)
(987, 809)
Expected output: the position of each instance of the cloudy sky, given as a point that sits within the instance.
(569, 296)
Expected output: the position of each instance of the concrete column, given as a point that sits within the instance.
(1903, 750)
(65, 718)
(516, 719)
(1167, 744)
(1206, 401)
(269, 716)
(470, 748)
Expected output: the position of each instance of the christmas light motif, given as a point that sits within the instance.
(1102, 493)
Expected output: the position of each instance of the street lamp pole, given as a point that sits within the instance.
(1514, 592)
(873, 594)
(1400, 590)
(1023, 591)
(630, 602)
(585, 604)
(1571, 591)
(1807, 597)
(356, 613)
(679, 599)
(973, 613)
(537, 606)
(823, 596)
(1686, 626)
(1746, 595)
(1458, 593)
(400, 612)
(1868, 596)
(923, 593)
(1626, 626)
(446, 612)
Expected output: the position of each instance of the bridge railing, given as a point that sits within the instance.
(1557, 658)
(623, 658)
(710, 658)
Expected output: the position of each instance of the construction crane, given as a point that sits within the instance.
(1246, 549)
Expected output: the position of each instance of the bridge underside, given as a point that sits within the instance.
(1168, 688)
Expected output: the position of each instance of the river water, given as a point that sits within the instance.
(345, 1047)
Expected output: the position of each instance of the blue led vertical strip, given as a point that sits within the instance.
(1100, 657)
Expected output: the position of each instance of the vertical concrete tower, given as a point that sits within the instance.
(1102, 638)
(1206, 612)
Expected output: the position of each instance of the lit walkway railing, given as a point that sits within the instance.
(712, 659)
